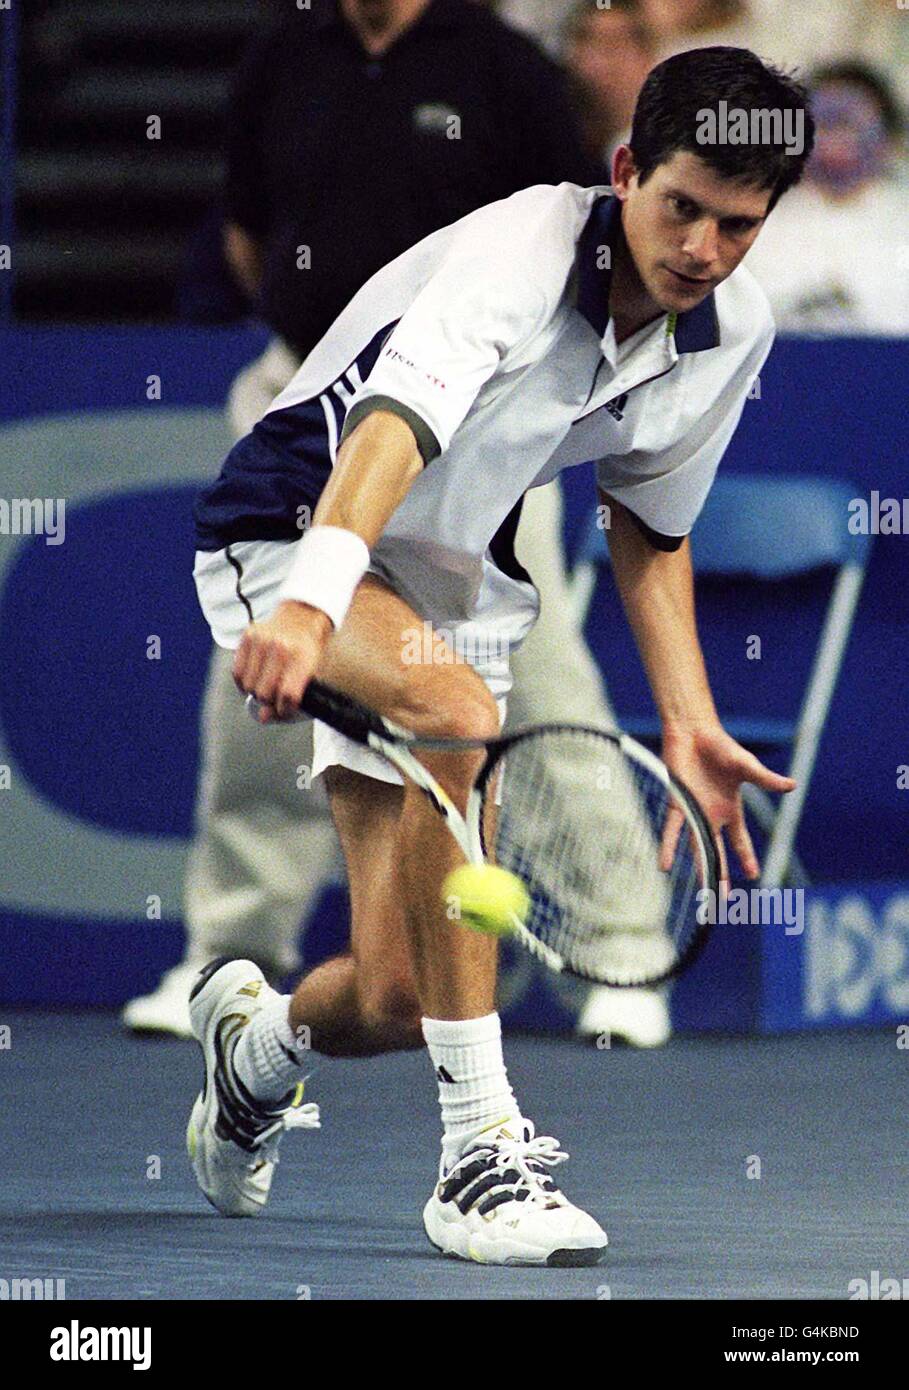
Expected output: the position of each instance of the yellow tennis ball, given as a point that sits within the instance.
(486, 897)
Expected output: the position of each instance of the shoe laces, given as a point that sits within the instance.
(296, 1116)
(522, 1162)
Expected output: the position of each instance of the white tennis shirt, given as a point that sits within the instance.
(492, 338)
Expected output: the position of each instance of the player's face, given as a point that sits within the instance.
(686, 227)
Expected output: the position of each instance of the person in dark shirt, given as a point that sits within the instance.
(359, 127)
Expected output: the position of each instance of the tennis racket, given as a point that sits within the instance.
(613, 850)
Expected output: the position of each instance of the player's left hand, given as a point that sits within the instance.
(713, 766)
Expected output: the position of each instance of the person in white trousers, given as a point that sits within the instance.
(265, 847)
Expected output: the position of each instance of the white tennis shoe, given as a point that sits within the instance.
(232, 1138)
(498, 1204)
(638, 1015)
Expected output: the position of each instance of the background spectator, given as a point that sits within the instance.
(608, 53)
(804, 34)
(834, 257)
(542, 20)
(683, 24)
(875, 32)
(359, 128)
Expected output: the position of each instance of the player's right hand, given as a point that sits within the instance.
(277, 658)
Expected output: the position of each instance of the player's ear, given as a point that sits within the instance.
(624, 170)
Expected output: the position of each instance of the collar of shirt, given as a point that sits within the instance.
(696, 330)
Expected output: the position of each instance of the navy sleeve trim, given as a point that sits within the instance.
(427, 443)
(656, 538)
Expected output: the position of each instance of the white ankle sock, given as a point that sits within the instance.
(268, 1057)
(473, 1084)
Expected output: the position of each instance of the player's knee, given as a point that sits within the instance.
(451, 702)
(473, 713)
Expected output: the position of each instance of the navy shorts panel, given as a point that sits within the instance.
(263, 487)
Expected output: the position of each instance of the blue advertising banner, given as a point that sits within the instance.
(98, 744)
(846, 963)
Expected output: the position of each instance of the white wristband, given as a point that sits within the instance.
(328, 565)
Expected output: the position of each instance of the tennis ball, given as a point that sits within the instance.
(486, 897)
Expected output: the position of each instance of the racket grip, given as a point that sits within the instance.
(343, 714)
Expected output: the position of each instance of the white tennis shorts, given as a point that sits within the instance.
(241, 584)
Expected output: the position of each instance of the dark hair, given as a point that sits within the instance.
(672, 102)
(871, 82)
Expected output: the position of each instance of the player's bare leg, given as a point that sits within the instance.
(255, 1045)
(495, 1200)
(365, 1001)
(368, 1000)
(406, 955)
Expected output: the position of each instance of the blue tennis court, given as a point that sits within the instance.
(660, 1144)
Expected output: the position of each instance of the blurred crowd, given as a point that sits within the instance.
(834, 256)
(802, 33)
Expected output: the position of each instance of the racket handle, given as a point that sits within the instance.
(342, 713)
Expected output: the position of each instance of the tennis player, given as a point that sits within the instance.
(562, 325)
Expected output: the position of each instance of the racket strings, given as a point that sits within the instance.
(581, 823)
